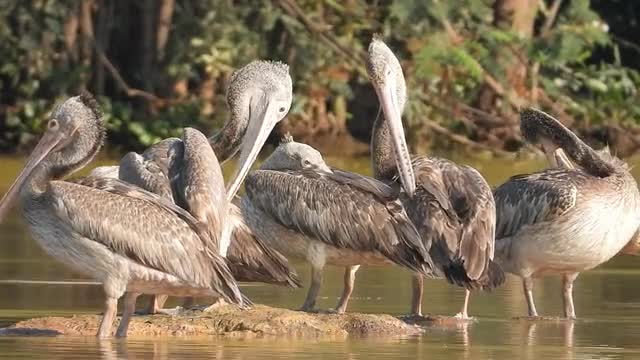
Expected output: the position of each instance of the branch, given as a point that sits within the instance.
(131, 92)
(356, 58)
(626, 43)
(550, 17)
(464, 140)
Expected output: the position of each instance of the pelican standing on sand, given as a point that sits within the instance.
(129, 239)
(563, 221)
(311, 212)
(190, 175)
(452, 208)
(97, 228)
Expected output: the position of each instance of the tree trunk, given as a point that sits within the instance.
(104, 16)
(164, 26)
(518, 16)
(86, 29)
(71, 33)
(208, 94)
(147, 13)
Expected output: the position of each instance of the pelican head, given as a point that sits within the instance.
(291, 155)
(388, 81)
(541, 129)
(73, 136)
(262, 93)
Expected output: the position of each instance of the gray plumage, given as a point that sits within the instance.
(454, 211)
(251, 259)
(564, 221)
(148, 171)
(328, 216)
(256, 79)
(179, 244)
(452, 206)
(194, 178)
(341, 209)
(534, 198)
(198, 183)
(106, 171)
(126, 238)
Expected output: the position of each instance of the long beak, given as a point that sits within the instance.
(561, 159)
(47, 143)
(394, 120)
(261, 122)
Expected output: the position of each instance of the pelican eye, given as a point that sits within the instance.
(53, 124)
(306, 162)
(282, 109)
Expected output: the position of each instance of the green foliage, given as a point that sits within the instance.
(448, 49)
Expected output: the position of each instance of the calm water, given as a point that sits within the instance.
(607, 301)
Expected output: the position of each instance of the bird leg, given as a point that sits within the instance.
(129, 308)
(111, 308)
(316, 281)
(417, 284)
(156, 306)
(567, 295)
(189, 302)
(527, 284)
(349, 279)
(216, 305)
(464, 315)
(156, 302)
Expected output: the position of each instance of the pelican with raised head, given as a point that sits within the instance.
(311, 212)
(188, 172)
(451, 206)
(566, 220)
(129, 239)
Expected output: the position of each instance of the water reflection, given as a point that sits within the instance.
(607, 303)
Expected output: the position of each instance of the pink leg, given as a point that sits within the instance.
(111, 309)
(129, 309)
(527, 284)
(416, 296)
(464, 314)
(567, 295)
(349, 279)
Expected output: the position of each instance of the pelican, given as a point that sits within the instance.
(96, 227)
(188, 173)
(562, 161)
(309, 211)
(563, 221)
(452, 208)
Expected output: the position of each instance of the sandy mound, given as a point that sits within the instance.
(229, 321)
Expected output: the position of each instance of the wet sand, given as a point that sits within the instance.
(228, 321)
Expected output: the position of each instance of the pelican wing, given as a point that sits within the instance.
(454, 212)
(250, 259)
(198, 182)
(146, 174)
(341, 209)
(145, 228)
(534, 198)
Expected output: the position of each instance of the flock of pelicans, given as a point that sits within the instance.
(162, 223)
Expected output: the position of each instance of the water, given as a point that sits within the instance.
(607, 302)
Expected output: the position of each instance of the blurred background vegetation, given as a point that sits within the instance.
(160, 65)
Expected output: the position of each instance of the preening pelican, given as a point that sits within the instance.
(563, 221)
(309, 211)
(187, 171)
